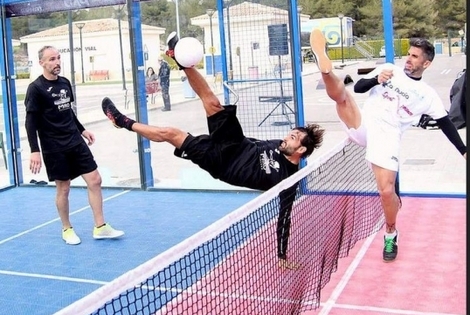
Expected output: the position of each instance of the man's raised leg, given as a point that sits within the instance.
(171, 135)
(199, 85)
(346, 107)
(196, 80)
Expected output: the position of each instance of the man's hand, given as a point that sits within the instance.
(89, 136)
(35, 162)
(384, 76)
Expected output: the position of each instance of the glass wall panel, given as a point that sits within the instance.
(94, 45)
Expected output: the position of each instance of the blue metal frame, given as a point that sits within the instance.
(138, 63)
(387, 12)
(9, 97)
(223, 50)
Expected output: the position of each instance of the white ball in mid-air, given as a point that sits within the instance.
(188, 52)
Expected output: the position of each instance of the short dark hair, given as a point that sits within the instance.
(313, 139)
(425, 46)
(41, 51)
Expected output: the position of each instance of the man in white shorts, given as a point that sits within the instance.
(397, 100)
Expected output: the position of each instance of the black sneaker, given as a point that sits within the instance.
(119, 120)
(171, 42)
(390, 248)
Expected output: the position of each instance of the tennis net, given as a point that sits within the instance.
(231, 267)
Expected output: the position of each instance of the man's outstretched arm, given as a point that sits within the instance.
(452, 134)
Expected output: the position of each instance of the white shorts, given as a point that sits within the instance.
(382, 143)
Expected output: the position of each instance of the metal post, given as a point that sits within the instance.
(299, 9)
(80, 27)
(230, 64)
(341, 16)
(72, 61)
(210, 12)
(449, 41)
(177, 19)
(123, 72)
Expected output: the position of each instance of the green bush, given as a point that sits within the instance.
(22, 75)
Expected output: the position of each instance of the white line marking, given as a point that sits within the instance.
(42, 276)
(388, 310)
(56, 219)
(347, 275)
(445, 71)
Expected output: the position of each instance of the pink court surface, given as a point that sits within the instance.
(427, 278)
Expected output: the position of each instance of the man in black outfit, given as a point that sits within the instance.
(227, 154)
(50, 117)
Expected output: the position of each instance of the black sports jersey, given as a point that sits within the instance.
(258, 165)
(51, 104)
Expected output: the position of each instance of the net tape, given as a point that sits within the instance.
(231, 267)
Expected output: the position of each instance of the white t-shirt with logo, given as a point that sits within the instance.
(401, 101)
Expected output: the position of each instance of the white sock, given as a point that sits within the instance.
(391, 235)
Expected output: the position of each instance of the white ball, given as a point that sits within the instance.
(188, 52)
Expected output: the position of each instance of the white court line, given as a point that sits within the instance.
(42, 276)
(388, 310)
(445, 71)
(56, 219)
(347, 275)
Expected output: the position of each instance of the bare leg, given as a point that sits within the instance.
(62, 202)
(199, 85)
(390, 203)
(174, 136)
(95, 197)
(171, 135)
(346, 107)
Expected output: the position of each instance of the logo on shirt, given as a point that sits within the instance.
(268, 163)
(63, 101)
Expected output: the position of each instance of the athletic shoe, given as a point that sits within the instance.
(70, 237)
(106, 231)
(318, 45)
(171, 42)
(119, 120)
(390, 248)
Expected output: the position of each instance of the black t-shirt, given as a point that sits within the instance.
(258, 165)
(51, 103)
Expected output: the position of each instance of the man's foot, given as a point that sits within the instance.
(164, 109)
(171, 42)
(390, 248)
(69, 236)
(318, 45)
(119, 120)
(285, 264)
(106, 231)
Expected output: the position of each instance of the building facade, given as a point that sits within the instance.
(96, 49)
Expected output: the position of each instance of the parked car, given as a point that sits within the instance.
(382, 51)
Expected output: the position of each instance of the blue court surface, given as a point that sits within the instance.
(40, 274)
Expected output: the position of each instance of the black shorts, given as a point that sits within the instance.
(69, 164)
(211, 152)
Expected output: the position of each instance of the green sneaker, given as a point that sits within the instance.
(70, 237)
(106, 231)
(390, 248)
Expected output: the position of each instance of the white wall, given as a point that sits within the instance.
(102, 46)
